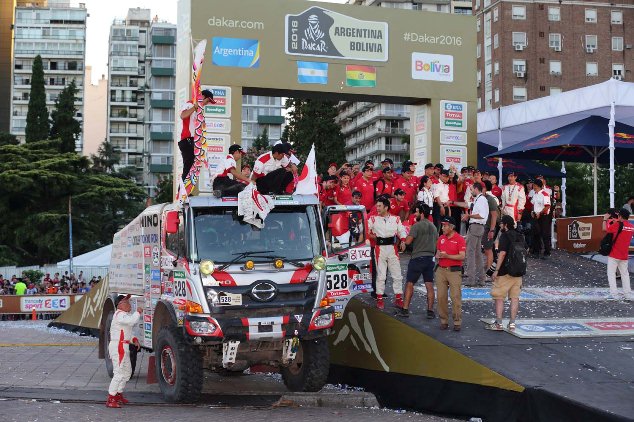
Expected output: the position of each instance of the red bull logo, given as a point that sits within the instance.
(623, 138)
(545, 140)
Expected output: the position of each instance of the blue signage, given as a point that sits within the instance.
(553, 327)
(235, 52)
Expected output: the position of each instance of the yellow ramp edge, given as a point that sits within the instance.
(367, 338)
(87, 311)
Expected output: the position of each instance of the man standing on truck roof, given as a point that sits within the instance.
(118, 348)
(227, 180)
(272, 171)
(186, 144)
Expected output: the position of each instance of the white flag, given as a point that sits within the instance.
(307, 182)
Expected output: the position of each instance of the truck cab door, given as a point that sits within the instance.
(348, 271)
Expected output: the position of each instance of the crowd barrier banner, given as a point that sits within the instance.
(42, 304)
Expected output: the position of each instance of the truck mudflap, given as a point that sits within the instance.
(310, 324)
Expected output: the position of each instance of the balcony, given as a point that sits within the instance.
(161, 136)
(160, 168)
(270, 120)
(163, 39)
(163, 71)
(162, 103)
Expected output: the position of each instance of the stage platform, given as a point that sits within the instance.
(554, 376)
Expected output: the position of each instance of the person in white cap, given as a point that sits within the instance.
(119, 349)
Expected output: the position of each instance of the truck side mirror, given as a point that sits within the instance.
(171, 222)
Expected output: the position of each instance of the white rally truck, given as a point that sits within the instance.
(222, 295)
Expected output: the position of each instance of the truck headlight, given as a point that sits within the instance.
(207, 266)
(319, 263)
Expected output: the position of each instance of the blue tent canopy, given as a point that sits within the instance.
(523, 168)
(580, 142)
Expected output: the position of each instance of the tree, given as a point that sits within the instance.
(37, 125)
(262, 140)
(64, 125)
(36, 181)
(313, 122)
(8, 139)
(165, 190)
(106, 158)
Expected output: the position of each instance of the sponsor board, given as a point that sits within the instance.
(235, 52)
(218, 125)
(453, 155)
(569, 327)
(44, 303)
(218, 140)
(453, 138)
(367, 286)
(420, 119)
(215, 149)
(420, 157)
(335, 293)
(222, 97)
(578, 230)
(432, 67)
(453, 115)
(319, 32)
(359, 254)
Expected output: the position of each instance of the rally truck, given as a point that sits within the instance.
(222, 295)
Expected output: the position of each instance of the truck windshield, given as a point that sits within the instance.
(289, 233)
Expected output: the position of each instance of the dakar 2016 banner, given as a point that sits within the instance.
(319, 32)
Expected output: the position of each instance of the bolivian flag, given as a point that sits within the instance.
(361, 76)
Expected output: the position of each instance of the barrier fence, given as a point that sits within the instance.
(89, 272)
(43, 305)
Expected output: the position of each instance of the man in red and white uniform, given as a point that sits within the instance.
(365, 185)
(541, 222)
(513, 198)
(228, 182)
(408, 183)
(119, 349)
(186, 144)
(272, 171)
(383, 228)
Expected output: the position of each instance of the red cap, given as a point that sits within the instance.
(332, 164)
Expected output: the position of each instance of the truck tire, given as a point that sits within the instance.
(106, 342)
(178, 367)
(309, 371)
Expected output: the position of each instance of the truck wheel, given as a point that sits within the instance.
(106, 342)
(178, 367)
(309, 370)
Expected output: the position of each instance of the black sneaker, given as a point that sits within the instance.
(402, 312)
(430, 314)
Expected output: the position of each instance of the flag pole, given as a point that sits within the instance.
(611, 146)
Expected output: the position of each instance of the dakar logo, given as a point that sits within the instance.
(315, 35)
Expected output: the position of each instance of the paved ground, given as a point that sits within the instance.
(53, 375)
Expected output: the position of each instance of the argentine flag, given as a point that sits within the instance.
(312, 73)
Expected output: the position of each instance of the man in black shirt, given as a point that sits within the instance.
(504, 284)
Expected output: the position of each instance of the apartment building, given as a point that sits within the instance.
(57, 32)
(528, 50)
(141, 98)
(375, 131)
(261, 113)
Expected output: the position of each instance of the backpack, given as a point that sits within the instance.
(608, 241)
(517, 257)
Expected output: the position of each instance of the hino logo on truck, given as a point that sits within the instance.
(150, 221)
(263, 292)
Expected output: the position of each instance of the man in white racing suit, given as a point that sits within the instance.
(119, 350)
(383, 228)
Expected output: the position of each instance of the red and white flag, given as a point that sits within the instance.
(307, 182)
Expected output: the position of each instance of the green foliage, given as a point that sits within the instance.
(106, 158)
(64, 125)
(37, 125)
(164, 190)
(34, 275)
(313, 122)
(262, 140)
(36, 181)
(8, 139)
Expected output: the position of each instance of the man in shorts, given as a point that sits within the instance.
(423, 237)
(505, 285)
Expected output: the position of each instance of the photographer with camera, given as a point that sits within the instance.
(622, 231)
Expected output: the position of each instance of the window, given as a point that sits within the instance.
(554, 41)
(591, 43)
(617, 43)
(496, 14)
(496, 67)
(554, 90)
(617, 71)
(554, 14)
(519, 12)
(519, 38)
(477, 5)
(519, 65)
(478, 51)
(591, 15)
(479, 77)
(616, 17)
(592, 69)
(478, 24)
(519, 93)
(479, 103)
(554, 67)
(497, 95)
(496, 42)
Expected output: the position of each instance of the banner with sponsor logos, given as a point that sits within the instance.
(580, 234)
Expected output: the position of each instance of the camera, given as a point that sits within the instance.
(613, 213)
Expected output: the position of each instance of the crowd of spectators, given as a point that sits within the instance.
(64, 284)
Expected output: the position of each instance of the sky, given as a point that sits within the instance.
(103, 12)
